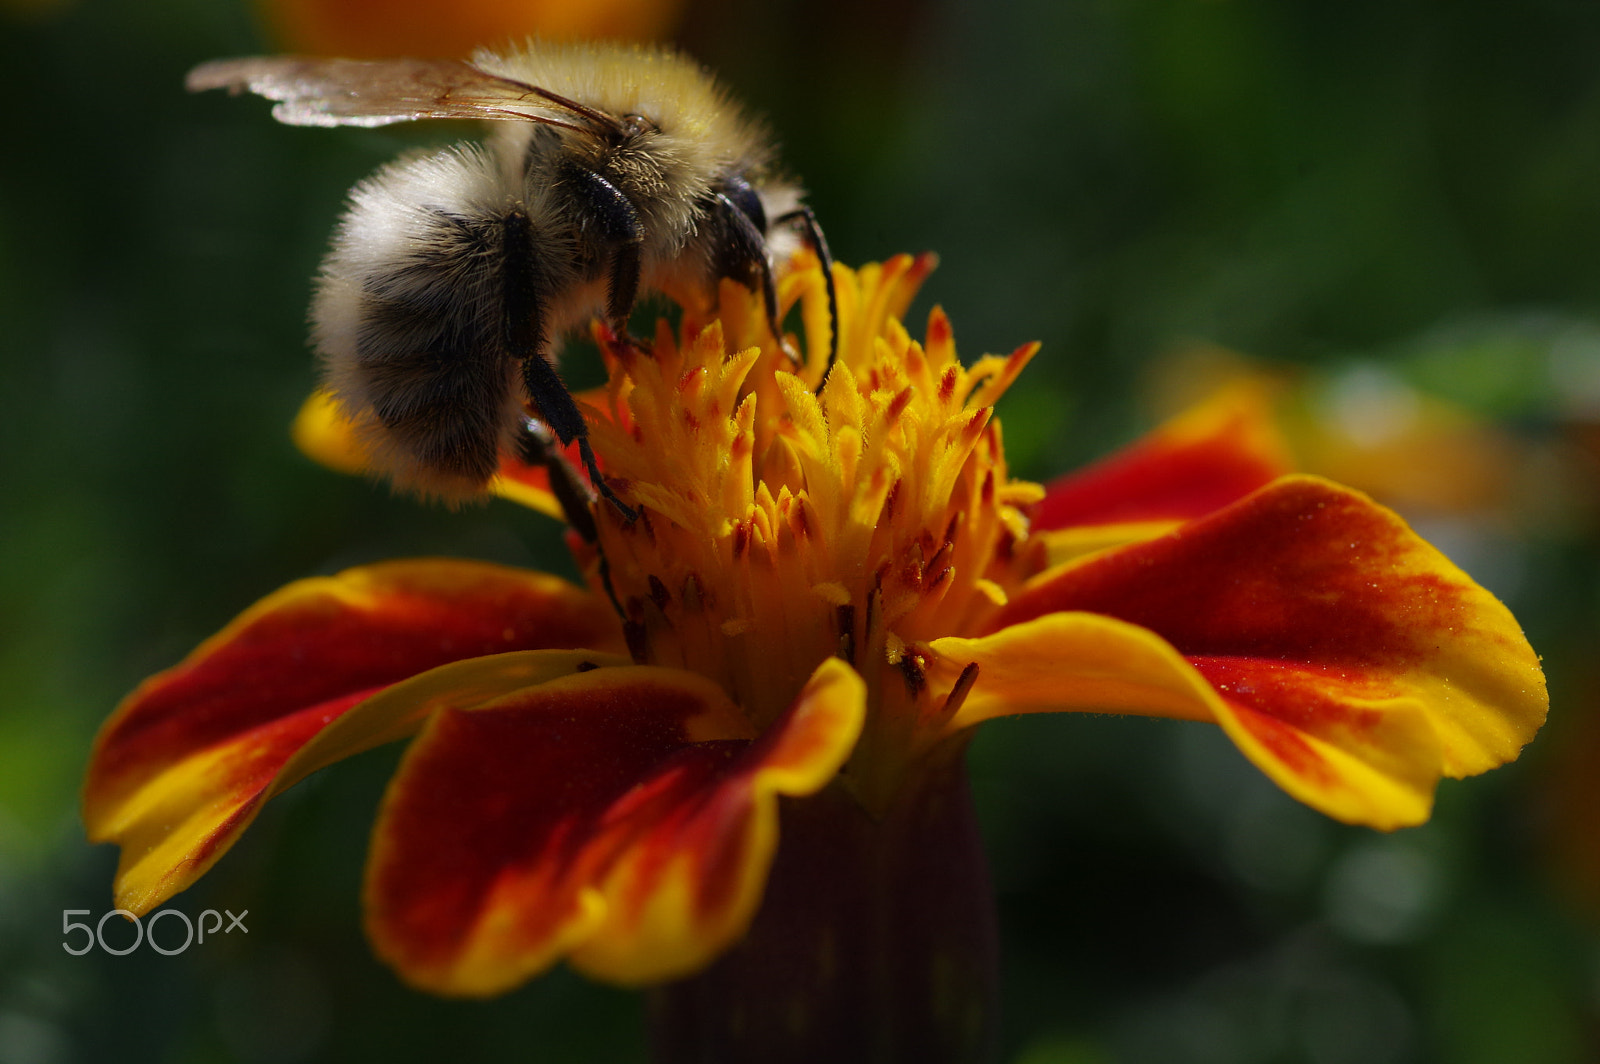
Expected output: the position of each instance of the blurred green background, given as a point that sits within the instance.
(1389, 204)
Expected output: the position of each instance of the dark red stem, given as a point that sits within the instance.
(875, 942)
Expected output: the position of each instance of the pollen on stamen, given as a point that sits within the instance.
(884, 496)
(832, 592)
(894, 648)
(914, 667)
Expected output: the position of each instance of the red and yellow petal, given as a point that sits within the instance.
(1210, 456)
(1348, 659)
(1063, 662)
(622, 817)
(183, 764)
(1357, 758)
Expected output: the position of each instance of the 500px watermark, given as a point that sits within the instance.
(145, 931)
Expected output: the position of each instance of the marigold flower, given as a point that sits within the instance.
(826, 590)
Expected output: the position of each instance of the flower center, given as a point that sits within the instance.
(781, 524)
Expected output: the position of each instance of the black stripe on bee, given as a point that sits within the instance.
(436, 364)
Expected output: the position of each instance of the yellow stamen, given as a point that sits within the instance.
(782, 524)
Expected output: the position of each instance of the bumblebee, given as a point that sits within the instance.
(454, 274)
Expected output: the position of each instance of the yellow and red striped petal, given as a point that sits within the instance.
(1348, 659)
(184, 763)
(1204, 459)
(622, 817)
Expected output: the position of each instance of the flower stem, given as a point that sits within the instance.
(875, 941)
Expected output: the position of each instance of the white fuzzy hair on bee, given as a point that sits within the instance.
(454, 274)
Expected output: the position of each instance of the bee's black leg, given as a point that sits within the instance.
(560, 412)
(622, 287)
(538, 448)
(622, 229)
(523, 340)
(743, 254)
(819, 244)
(623, 284)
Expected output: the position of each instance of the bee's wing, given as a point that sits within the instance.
(352, 92)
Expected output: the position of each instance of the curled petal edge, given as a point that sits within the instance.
(175, 827)
(797, 757)
(1381, 773)
(1305, 585)
(644, 879)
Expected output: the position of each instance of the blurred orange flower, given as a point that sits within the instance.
(431, 29)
